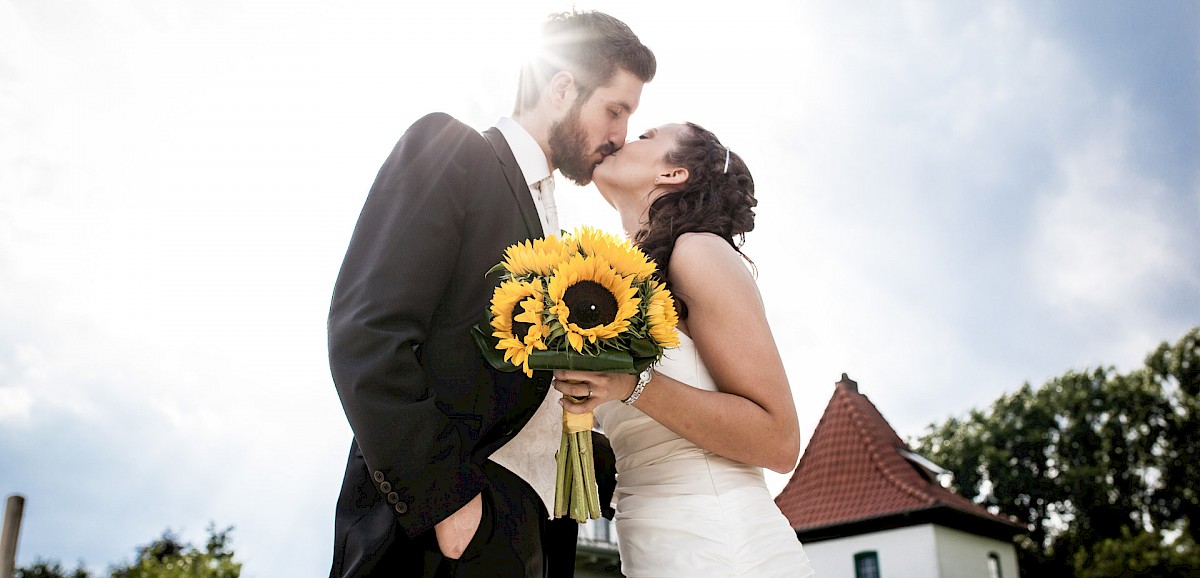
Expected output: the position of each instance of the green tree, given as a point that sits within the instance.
(1091, 457)
(50, 569)
(1143, 554)
(167, 557)
(1175, 371)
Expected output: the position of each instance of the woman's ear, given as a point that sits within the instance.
(672, 176)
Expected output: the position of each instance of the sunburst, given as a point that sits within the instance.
(536, 256)
(590, 300)
(662, 317)
(517, 321)
(622, 256)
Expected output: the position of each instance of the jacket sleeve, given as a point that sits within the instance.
(399, 262)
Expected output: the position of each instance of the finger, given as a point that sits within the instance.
(577, 394)
(582, 407)
(570, 389)
(576, 375)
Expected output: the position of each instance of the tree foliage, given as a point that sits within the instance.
(1144, 554)
(1092, 461)
(50, 569)
(166, 557)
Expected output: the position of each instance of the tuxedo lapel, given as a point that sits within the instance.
(516, 181)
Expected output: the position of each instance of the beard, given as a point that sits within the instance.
(567, 144)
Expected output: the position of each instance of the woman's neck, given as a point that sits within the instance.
(632, 223)
(634, 211)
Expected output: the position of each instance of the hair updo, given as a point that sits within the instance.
(712, 200)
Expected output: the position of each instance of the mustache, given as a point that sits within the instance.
(607, 149)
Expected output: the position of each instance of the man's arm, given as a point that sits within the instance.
(398, 265)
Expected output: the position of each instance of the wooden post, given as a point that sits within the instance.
(13, 509)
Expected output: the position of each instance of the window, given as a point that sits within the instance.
(994, 565)
(602, 529)
(866, 565)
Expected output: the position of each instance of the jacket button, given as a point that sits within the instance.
(378, 477)
(401, 508)
(393, 498)
(385, 487)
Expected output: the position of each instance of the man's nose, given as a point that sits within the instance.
(617, 138)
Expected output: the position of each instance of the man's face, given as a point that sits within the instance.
(594, 128)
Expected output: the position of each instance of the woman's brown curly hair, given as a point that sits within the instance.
(711, 201)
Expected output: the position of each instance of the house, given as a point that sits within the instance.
(865, 506)
(596, 553)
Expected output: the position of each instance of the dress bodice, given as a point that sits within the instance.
(685, 511)
(636, 438)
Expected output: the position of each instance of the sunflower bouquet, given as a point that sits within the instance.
(587, 301)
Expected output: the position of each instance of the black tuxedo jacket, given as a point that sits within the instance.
(426, 409)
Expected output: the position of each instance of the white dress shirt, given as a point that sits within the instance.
(530, 454)
(536, 170)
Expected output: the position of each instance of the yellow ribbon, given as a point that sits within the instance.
(578, 422)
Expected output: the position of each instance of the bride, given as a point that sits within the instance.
(692, 435)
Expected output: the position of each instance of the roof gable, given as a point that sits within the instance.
(856, 469)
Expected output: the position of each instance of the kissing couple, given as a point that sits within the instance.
(451, 470)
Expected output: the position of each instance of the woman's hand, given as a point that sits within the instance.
(591, 388)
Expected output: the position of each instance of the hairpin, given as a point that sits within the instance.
(726, 169)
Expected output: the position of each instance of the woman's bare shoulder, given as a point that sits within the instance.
(706, 269)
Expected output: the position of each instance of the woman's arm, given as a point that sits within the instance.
(752, 418)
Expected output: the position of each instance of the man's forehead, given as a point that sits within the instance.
(624, 91)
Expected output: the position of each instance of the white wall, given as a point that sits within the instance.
(924, 551)
(963, 554)
(903, 553)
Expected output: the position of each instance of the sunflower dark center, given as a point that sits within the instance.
(591, 304)
(519, 328)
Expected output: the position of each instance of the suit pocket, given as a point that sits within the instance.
(483, 534)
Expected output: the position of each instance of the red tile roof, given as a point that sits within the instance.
(853, 471)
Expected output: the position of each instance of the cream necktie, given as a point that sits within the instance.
(530, 454)
(545, 189)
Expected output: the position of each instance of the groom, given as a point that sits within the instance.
(452, 464)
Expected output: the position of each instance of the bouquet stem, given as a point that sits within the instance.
(589, 475)
(576, 493)
(560, 481)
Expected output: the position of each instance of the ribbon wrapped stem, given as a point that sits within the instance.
(576, 493)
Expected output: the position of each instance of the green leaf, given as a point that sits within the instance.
(643, 347)
(641, 363)
(606, 361)
(499, 268)
(487, 346)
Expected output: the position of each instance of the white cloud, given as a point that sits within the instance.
(16, 404)
(1101, 239)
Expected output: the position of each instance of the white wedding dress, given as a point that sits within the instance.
(683, 511)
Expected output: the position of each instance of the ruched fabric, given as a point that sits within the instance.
(685, 512)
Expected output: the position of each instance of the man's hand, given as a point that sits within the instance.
(455, 532)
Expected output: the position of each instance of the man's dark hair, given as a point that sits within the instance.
(590, 45)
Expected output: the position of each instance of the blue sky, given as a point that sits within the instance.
(955, 199)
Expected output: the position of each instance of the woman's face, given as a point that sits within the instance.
(633, 168)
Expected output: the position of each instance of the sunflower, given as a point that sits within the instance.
(517, 321)
(537, 256)
(590, 300)
(624, 257)
(661, 317)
